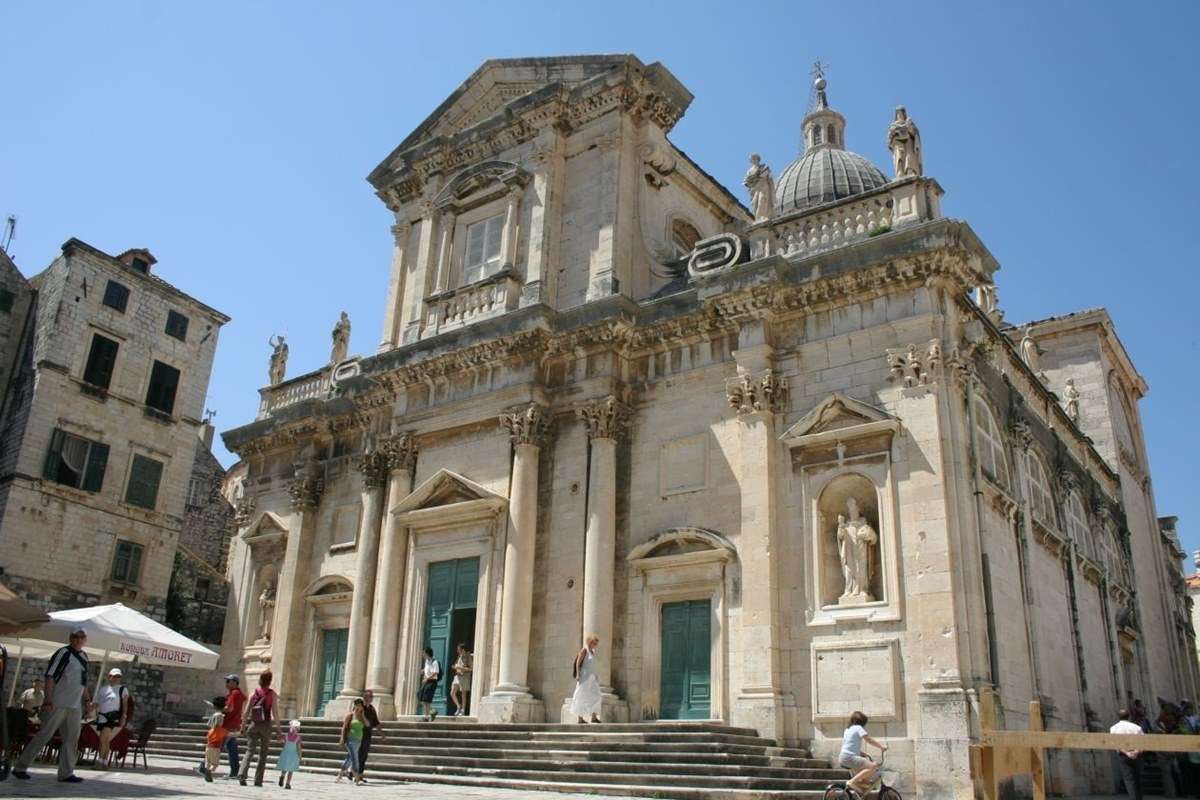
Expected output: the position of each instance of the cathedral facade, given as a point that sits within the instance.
(786, 461)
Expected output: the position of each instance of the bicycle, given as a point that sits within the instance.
(880, 790)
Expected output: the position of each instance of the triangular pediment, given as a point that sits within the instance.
(837, 413)
(445, 488)
(266, 525)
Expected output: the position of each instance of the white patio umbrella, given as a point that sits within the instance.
(115, 633)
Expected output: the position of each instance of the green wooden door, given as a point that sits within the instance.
(686, 690)
(453, 585)
(333, 665)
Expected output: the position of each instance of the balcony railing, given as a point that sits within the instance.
(303, 387)
(490, 297)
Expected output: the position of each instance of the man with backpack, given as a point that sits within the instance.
(66, 694)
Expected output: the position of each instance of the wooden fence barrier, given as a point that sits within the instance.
(1002, 754)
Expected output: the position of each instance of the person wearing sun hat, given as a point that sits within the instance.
(66, 695)
(112, 713)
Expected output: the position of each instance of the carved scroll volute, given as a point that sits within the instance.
(528, 425)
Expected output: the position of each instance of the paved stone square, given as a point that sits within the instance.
(172, 778)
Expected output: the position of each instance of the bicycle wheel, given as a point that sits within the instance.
(836, 791)
(888, 793)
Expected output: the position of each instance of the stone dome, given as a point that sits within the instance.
(823, 175)
(825, 171)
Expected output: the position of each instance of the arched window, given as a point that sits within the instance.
(831, 135)
(816, 135)
(1041, 500)
(1077, 524)
(990, 445)
(683, 237)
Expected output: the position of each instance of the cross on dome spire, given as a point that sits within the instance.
(823, 127)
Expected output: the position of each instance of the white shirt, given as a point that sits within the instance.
(68, 687)
(852, 741)
(1126, 727)
(108, 699)
(432, 669)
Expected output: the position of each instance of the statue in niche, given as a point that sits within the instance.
(855, 538)
(904, 140)
(1071, 400)
(277, 367)
(341, 340)
(266, 613)
(762, 189)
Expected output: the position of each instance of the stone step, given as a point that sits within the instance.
(658, 789)
(416, 724)
(486, 746)
(566, 776)
(389, 750)
(565, 761)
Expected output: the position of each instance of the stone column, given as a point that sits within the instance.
(763, 702)
(605, 421)
(395, 300)
(511, 700)
(401, 453)
(287, 642)
(374, 468)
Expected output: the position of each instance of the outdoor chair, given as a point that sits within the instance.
(139, 742)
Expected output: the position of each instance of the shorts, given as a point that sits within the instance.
(855, 764)
(108, 720)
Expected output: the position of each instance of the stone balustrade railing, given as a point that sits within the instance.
(303, 387)
(490, 297)
(821, 230)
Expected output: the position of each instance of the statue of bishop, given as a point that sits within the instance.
(904, 140)
(762, 189)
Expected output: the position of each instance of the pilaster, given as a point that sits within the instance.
(395, 299)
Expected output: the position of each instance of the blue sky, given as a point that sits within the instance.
(233, 140)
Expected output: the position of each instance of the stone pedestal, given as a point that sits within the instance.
(612, 709)
(503, 707)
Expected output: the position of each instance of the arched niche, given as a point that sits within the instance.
(264, 608)
(848, 514)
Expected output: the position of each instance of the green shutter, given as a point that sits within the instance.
(93, 475)
(164, 380)
(144, 477)
(101, 360)
(50, 472)
(135, 563)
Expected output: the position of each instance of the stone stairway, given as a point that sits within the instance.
(685, 760)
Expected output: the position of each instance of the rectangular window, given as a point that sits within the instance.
(127, 562)
(197, 492)
(141, 265)
(75, 461)
(164, 380)
(144, 477)
(6, 301)
(482, 256)
(102, 358)
(177, 325)
(203, 586)
(116, 296)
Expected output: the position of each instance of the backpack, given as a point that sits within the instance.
(260, 708)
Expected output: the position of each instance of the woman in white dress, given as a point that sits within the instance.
(585, 703)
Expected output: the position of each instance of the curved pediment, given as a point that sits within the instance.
(678, 541)
(477, 177)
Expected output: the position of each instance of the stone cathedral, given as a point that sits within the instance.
(786, 460)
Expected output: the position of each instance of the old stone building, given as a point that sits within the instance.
(95, 458)
(16, 304)
(778, 458)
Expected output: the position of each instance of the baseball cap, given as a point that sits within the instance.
(114, 672)
(78, 631)
(232, 677)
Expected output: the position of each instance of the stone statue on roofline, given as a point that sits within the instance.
(904, 140)
(762, 189)
(277, 367)
(341, 340)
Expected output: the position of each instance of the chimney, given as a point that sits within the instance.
(206, 435)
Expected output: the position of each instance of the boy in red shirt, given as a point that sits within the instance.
(235, 701)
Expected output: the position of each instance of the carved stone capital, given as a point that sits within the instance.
(1021, 434)
(400, 232)
(373, 464)
(400, 450)
(916, 366)
(606, 419)
(528, 425)
(243, 510)
(306, 487)
(749, 393)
